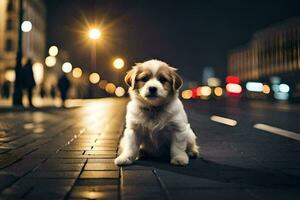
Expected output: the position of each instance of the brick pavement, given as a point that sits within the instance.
(68, 154)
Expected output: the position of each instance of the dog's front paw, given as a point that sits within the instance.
(123, 160)
(194, 153)
(180, 160)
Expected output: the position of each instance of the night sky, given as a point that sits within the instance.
(188, 35)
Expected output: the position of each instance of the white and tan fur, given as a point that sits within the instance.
(156, 122)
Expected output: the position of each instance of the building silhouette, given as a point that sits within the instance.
(274, 51)
(34, 42)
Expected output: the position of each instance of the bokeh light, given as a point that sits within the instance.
(218, 91)
(102, 84)
(94, 33)
(187, 94)
(205, 91)
(118, 63)
(67, 67)
(53, 51)
(266, 89)
(233, 88)
(284, 88)
(38, 72)
(10, 75)
(94, 78)
(50, 61)
(26, 26)
(110, 88)
(120, 91)
(77, 72)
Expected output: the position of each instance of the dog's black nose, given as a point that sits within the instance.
(152, 90)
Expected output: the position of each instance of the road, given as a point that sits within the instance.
(68, 154)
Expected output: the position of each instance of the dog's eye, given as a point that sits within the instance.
(162, 79)
(145, 78)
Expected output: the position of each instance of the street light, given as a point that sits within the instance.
(26, 26)
(94, 33)
(50, 61)
(53, 51)
(77, 72)
(118, 63)
(94, 78)
(119, 91)
(66, 67)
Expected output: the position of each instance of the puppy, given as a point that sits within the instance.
(155, 120)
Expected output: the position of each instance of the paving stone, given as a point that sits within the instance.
(99, 174)
(139, 177)
(17, 192)
(54, 174)
(100, 166)
(6, 179)
(214, 194)
(106, 152)
(101, 148)
(142, 192)
(94, 195)
(23, 166)
(66, 161)
(97, 181)
(173, 180)
(276, 193)
(45, 182)
(60, 167)
(95, 188)
(104, 160)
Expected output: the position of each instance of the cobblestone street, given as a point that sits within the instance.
(53, 153)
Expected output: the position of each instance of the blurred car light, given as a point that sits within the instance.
(187, 94)
(213, 82)
(266, 89)
(205, 91)
(218, 91)
(284, 88)
(232, 79)
(233, 88)
(254, 86)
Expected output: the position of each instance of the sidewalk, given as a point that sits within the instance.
(69, 153)
(62, 153)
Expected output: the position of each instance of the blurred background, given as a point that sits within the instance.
(223, 49)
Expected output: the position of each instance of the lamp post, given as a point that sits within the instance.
(17, 95)
(94, 34)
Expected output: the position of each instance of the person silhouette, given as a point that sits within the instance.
(29, 82)
(5, 89)
(53, 92)
(63, 86)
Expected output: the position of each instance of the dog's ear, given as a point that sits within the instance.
(130, 77)
(177, 80)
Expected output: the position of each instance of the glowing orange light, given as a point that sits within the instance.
(218, 91)
(266, 89)
(77, 72)
(94, 33)
(187, 94)
(119, 63)
(110, 88)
